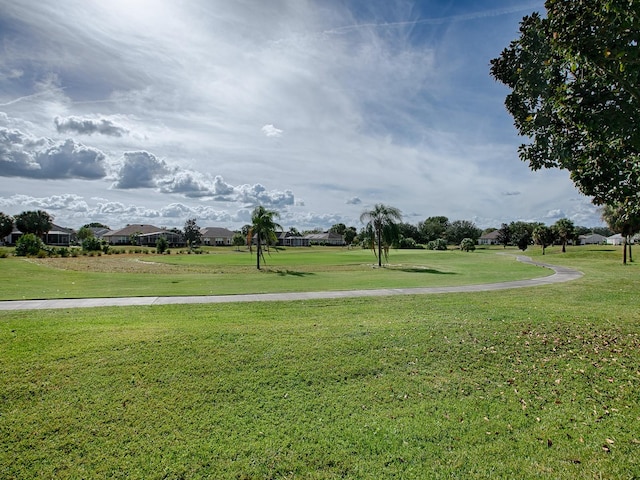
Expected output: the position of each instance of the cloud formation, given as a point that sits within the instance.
(141, 170)
(42, 158)
(89, 126)
(243, 103)
(271, 131)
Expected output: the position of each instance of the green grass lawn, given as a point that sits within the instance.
(525, 383)
(225, 271)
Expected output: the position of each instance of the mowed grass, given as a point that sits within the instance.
(225, 271)
(526, 383)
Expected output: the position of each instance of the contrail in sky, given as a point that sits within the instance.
(437, 21)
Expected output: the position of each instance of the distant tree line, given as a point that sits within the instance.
(434, 232)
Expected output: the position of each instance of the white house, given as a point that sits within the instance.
(490, 238)
(592, 239)
(616, 239)
(216, 236)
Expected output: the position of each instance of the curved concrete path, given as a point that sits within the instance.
(561, 274)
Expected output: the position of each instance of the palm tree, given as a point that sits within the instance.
(621, 221)
(543, 236)
(382, 222)
(263, 228)
(565, 230)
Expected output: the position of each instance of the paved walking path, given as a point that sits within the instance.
(561, 274)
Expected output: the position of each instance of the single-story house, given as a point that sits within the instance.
(490, 238)
(286, 239)
(592, 239)
(57, 236)
(326, 238)
(147, 235)
(616, 239)
(216, 236)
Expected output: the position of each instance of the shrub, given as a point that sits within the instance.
(63, 252)
(407, 243)
(162, 245)
(467, 245)
(4, 253)
(28, 245)
(91, 244)
(438, 244)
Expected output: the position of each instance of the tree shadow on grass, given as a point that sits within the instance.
(424, 270)
(293, 273)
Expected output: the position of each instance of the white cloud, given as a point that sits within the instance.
(271, 131)
(140, 170)
(24, 156)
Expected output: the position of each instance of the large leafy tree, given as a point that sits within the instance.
(623, 223)
(6, 225)
(461, 229)
(263, 229)
(192, 233)
(37, 222)
(575, 92)
(433, 228)
(382, 220)
(521, 234)
(565, 230)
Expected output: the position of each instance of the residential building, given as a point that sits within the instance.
(592, 239)
(147, 235)
(57, 236)
(217, 236)
(490, 238)
(326, 238)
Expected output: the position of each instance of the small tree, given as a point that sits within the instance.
(349, 235)
(192, 233)
(162, 245)
(134, 238)
(6, 225)
(84, 233)
(467, 245)
(504, 235)
(382, 220)
(621, 221)
(437, 244)
(238, 241)
(28, 245)
(263, 227)
(565, 231)
(91, 244)
(521, 234)
(543, 236)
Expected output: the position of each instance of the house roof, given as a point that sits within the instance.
(592, 235)
(99, 231)
(216, 232)
(55, 230)
(491, 235)
(132, 229)
(324, 236)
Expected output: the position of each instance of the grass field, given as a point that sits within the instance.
(225, 271)
(526, 383)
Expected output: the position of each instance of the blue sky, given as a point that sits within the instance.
(155, 111)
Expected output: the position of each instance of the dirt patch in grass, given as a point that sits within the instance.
(118, 264)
